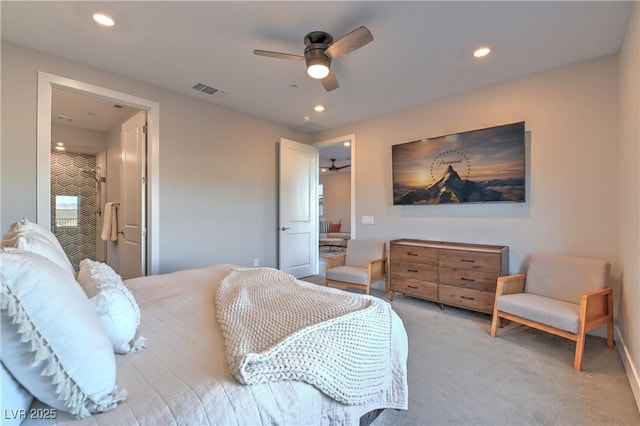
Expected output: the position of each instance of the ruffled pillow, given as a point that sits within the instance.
(115, 305)
(30, 236)
(52, 341)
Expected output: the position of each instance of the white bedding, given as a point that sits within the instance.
(182, 376)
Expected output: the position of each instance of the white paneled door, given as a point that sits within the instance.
(132, 211)
(298, 208)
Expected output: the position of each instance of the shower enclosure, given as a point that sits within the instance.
(77, 193)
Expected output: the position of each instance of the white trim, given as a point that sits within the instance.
(351, 138)
(632, 371)
(46, 82)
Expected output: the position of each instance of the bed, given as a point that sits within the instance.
(183, 375)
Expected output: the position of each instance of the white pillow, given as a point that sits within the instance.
(14, 399)
(115, 305)
(52, 340)
(30, 236)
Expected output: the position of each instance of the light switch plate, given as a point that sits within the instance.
(367, 220)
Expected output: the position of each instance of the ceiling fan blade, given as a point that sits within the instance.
(277, 55)
(349, 42)
(330, 82)
(343, 167)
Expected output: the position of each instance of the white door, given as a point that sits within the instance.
(298, 209)
(132, 211)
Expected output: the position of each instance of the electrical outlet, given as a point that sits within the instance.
(256, 262)
(367, 220)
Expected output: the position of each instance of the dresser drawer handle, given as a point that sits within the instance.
(467, 279)
(467, 298)
(412, 270)
(468, 260)
(410, 253)
(413, 287)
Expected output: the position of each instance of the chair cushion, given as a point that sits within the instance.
(361, 252)
(349, 274)
(545, 310)
(565, 277)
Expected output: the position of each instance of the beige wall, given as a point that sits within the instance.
(572, 126)
(217, 203)
(628, 213)
(337, 198)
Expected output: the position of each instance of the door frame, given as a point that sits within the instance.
(46, 82)
(341, 139)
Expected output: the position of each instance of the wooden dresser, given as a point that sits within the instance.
(457, 274)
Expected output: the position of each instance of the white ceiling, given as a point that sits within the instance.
(421, 50)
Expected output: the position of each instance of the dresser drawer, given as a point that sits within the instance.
(476, 280)
(414, 254)
(413, 271)
(415, 288)
(467, 298)
(461, 259)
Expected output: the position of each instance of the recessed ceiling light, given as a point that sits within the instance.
(481, 52)
(103, 19)
(319, 108)
(60, 148)
(347, 143)
(60, 143)
(306, 118)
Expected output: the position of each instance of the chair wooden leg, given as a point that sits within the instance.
(494, 323)
(610, 323)
(577, 363)
(392, 295)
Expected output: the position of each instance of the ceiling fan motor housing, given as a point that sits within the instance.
(317, 43)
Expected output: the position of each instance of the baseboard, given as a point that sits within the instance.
(629, 367)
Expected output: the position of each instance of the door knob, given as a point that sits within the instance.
(284, 228)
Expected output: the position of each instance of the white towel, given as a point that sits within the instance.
(110, 222)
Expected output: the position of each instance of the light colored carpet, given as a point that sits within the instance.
(459, 375)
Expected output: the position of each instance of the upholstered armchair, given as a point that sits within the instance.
(562, 295)
(363, 263)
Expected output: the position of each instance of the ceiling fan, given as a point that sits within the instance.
(320, 50)
(333, 167)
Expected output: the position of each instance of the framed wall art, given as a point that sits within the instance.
(485, 165)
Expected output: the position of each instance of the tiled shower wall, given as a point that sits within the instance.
(78, 242)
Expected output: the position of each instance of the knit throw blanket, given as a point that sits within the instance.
(278, 328)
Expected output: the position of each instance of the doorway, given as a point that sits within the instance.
(85, 136)
(46, 85)
(338, 190)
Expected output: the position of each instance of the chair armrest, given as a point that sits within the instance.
(377, 267)
(596, 305)
(336, 260)
(510, 284)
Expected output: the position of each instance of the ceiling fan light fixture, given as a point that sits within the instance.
(317, 68)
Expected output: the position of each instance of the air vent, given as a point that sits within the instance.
(205, 89)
